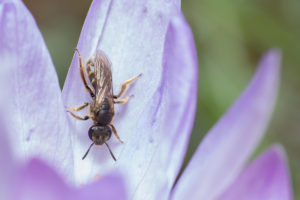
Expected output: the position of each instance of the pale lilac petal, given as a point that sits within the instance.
(228, 145)
(90, 34)
(174, 112)
(266, 178)
(133, 36)
(37, 181)
(33, 108)
(177, 3)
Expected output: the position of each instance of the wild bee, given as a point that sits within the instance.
(101, 109)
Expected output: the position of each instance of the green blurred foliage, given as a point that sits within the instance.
(230, 37)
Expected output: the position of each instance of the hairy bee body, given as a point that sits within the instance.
(101, 109)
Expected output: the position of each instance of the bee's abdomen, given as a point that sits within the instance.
(91, 73)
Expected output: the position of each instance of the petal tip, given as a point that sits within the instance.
(278, 151)
(272, 58)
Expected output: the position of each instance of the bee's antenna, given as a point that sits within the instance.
(87, 151)
(111, 153)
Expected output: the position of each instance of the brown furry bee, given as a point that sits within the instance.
(101, 109)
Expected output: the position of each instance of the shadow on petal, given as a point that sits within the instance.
(7, 166)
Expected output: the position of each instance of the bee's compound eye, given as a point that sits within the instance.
(91, 131)
(95, 130)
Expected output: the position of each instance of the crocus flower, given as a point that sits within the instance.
(139, 37)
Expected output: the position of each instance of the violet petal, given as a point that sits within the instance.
(107, 187)
(151, 122)
(37, 181)
(266, 178)
(223, 152)
(34, 113)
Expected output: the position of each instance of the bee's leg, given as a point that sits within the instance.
(115, 133)
(124, 86)
(79, 107)
(124, 100)
(82, 75)
(77, 117)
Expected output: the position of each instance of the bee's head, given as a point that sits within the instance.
(99, 134)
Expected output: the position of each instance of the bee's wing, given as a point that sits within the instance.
(103, 78)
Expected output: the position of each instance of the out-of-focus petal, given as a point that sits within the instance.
(151, 123)
(224, 151)
(37, 181)
(33, 106)
(266, 178)
(107, 187)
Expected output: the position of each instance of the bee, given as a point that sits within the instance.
(101, 109)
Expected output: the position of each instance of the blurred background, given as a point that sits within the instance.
(230, 37)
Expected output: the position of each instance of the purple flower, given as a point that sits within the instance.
(139, 37)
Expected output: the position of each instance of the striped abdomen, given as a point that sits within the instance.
(91, 72)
